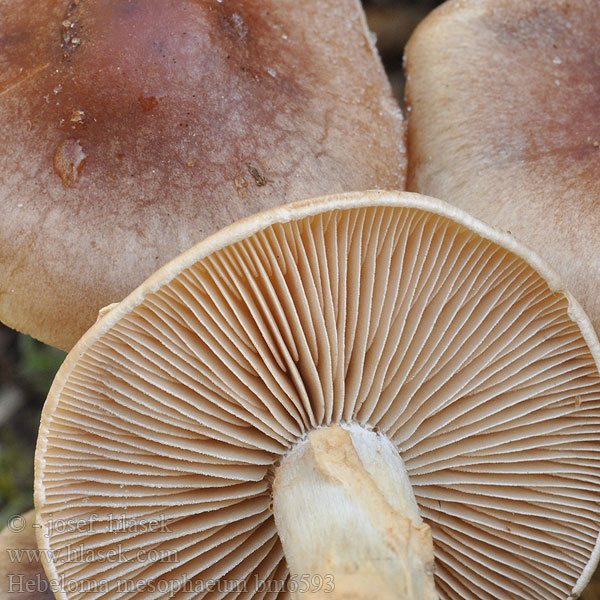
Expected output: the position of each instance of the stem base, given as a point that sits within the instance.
(344, 508)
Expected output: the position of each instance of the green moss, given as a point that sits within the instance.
(29, 366)
(39, 363)
(16, 473)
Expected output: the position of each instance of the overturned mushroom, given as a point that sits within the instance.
(504, 101)
(132, 129)
(386, 367)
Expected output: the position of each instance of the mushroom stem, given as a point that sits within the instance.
(348, 520)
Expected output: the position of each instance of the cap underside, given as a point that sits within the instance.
(382, 309)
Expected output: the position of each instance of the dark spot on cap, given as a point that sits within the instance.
(259, 179)
(147, 102)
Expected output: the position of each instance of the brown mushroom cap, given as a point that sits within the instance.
(132, 129)
(22, 575)
(390, 311)
(504, 98)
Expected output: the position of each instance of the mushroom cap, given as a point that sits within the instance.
(22, 575)
(504, 97)
(132, 129)
(393, 311)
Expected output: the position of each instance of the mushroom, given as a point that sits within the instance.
(132, 129)
(22, 576)
(306, 400)
(504, 99)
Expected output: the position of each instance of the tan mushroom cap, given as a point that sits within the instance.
(391, 312)
(504, 99)
(132, 129)
(22, 575)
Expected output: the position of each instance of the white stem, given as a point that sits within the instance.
(348, 520)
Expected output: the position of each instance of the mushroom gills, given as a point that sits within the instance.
(319, 342)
